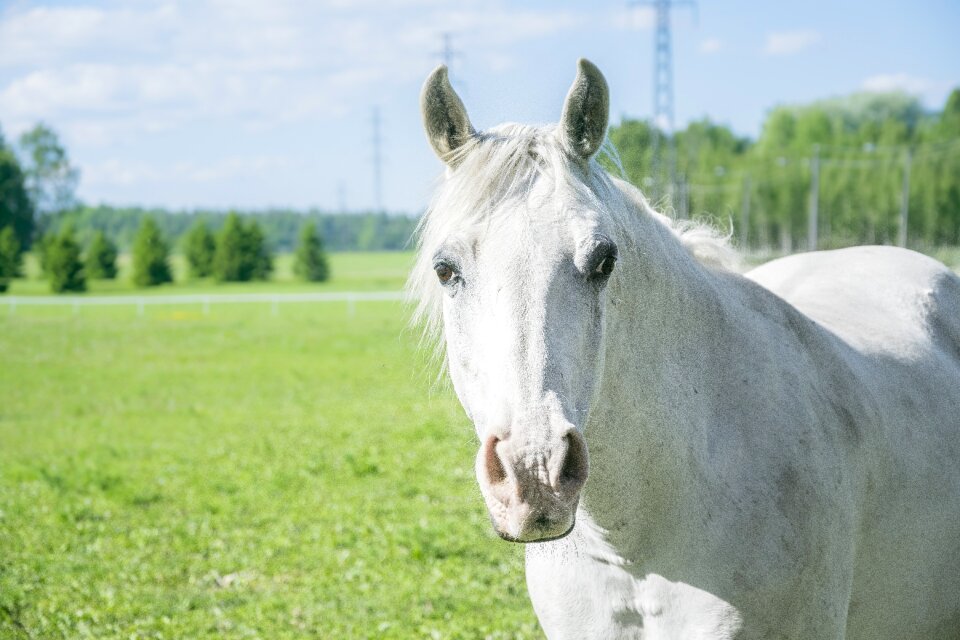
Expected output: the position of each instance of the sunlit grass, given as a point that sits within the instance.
(238, 475)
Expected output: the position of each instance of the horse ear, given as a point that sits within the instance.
(444, 116)
(583, 124)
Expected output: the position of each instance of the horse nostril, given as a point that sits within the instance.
(575, 468)
(492, 463)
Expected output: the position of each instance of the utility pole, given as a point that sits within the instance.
(342, 196)
(664, 151)
(683, 197)
(447, 53)
(745, 213)
(377, 162)
(905, 198)
(814, 199)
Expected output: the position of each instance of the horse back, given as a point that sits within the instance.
(878, 299)
(897, 316)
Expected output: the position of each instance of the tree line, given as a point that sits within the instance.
(238, 252)
(859, 163)
(357, 231)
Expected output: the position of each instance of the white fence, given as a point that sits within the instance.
(204, 301)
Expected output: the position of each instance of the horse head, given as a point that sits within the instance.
(515, 260)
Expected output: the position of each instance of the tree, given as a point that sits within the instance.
(261, 262)
(151, 265)
(51, 179)
(11, 259)
(241, 253)
(310, 262)
(199, 247)
(63, 265)
(101, 258)
(16, 210)
(228, 259)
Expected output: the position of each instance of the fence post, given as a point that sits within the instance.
(351, 306)
(275, 306)
(905, 199)
(745, 213)
(814, 199)
(140, 305)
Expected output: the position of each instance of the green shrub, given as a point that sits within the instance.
(241, 252)
(199, 248)
(310, 261)
(261, 262)
(11, 259)
(151, 256)
(101, 258)
(63, 265)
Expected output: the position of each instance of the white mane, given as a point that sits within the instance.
(503, 164)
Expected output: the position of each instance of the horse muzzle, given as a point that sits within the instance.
(532, 489)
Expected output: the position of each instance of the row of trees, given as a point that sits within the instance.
(860, 162)
(281, 227)
(237, 253)
(38, 209)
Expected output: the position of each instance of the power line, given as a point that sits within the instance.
(448, 55)
(377, 162)
(663, 94)
(342, 196)
(447, 52)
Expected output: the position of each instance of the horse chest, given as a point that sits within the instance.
(581, 588)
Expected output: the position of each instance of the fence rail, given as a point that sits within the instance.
(200, 299)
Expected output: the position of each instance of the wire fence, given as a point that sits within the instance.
(204, 301)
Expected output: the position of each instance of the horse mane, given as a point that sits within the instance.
(501, 165)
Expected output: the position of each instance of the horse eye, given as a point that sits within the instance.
(444, 273)
(605, 268)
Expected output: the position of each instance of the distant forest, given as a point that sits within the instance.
(340, 231)
(862, 162)
(864, 158)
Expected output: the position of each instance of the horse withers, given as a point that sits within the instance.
(690, 453)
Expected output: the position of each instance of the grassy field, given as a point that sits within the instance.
(242, 475)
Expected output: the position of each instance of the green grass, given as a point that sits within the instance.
(242, 475)
(351, 272)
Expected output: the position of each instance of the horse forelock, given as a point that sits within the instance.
(503, 165)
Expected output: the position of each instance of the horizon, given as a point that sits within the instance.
(198, 106)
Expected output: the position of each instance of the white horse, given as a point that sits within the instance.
(775, 455)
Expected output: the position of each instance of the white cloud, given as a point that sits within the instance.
(711, 46)
(897, 82)
(154, 65)
(789, 42)
(115, 172)
(630, 18)
(932, 92)
(48, 35)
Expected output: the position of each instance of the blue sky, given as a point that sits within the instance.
(210, 103)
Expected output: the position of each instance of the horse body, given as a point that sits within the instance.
(770, 456)
(809, 490)
(897, 314)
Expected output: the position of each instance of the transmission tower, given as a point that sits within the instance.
(342, 196)
(664, 152)
(377, 162)
(447, 53)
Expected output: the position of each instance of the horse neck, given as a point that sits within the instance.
(666, 315)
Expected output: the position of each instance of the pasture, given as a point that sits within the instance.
(241, 475)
